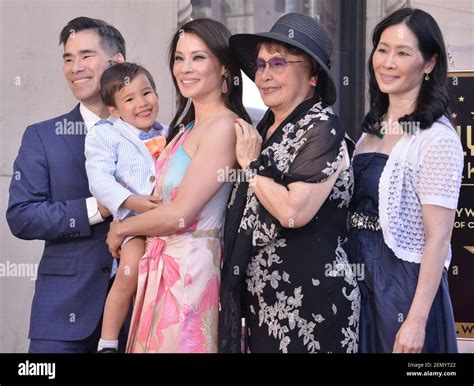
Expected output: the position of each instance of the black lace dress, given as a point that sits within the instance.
(294, 286)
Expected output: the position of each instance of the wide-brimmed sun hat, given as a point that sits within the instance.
(297, 30)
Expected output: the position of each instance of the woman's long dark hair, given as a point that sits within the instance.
(433, 99)
(216, 37)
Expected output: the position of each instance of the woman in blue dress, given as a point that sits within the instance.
(407, 169)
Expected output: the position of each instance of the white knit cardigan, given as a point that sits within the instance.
(424, 168)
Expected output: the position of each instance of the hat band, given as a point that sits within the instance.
(301, 38)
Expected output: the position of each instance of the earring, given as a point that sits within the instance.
(427, 77)
(225, 87)
(313, 82)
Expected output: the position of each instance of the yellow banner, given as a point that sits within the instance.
(465, 330)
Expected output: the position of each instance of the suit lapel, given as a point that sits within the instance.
(74, 133)
(132, 137)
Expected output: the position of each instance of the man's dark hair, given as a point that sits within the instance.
(111, 39)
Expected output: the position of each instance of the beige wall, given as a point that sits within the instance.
(454, 17)
(456, 20)
(33, 89)
(30, 51)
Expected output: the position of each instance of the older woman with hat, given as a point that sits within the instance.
(287, 285)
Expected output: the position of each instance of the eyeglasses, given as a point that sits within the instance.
(277, 64)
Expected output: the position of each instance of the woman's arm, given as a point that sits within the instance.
(215, 152)
(438, 224)
(294, 207)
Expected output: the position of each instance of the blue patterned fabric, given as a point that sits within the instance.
(144, 135)
(47, 201)
(389, 283)
(118, 164)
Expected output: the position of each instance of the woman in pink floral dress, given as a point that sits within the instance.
(176, 305)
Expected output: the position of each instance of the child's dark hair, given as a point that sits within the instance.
(117, 77)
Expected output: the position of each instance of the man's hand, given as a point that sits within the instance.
(141, 204)
(104, 212)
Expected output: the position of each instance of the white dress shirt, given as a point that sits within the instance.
(90, 120)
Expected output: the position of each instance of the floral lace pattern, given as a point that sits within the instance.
(280, 155)
(284, 315)
(292, 307)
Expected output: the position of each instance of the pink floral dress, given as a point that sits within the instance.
(176, 305)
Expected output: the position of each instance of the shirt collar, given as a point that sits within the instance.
(90, 118)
